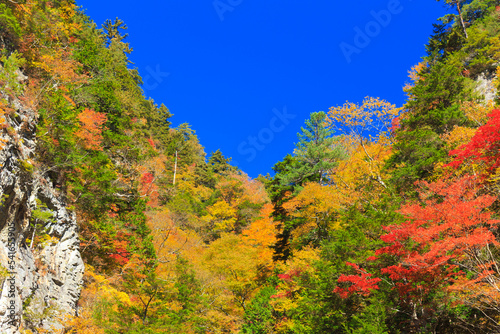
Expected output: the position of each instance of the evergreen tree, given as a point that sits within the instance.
(432, 110)
(317, 152)
(158, 119)
(219, 164)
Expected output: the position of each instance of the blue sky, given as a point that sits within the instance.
(247, 74)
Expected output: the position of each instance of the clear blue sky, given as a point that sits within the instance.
(246, 74)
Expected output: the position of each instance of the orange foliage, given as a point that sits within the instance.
(91, 127)
(261, 234)
(82, 324)
(59, 66)
(3, 122)
(31, 95)
(317, 205)
(448, 227)
(147, 187)
(238, 188)
(414, 75)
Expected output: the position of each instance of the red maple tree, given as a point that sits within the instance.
(450, 222)
(484, 147)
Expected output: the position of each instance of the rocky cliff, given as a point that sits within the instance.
(41, 267)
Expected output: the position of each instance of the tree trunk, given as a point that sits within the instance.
(461, 18)
(175, 167)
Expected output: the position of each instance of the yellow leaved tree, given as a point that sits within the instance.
(317, 205)
(367, 129)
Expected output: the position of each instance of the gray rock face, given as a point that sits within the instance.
(486, 87)
(40, 282)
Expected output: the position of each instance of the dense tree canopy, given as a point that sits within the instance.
(384, 219)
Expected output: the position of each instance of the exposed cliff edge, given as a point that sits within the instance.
(40, 278)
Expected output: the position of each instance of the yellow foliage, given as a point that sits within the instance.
(317, 205)
(497, 77)
(186, 183)
(288, 296)
(103, 288)
(494, 182)
(221, 215)
(83, 324)
(232, 274)
(374, 115)
(97, 289)
(477, 112)
(457, 137)
(414, 75)
(238, 188)
(261, 235)
(171, 241)
(357, 177)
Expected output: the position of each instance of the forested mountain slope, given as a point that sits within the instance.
(384, 219)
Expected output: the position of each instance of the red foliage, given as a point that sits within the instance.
(147, 187)
(112, 212)
(483, 147)
(449, 222)
(395, 124)
(151, 142)
(287, 278)
(146, 179)
(284, 277)
(361, 283)
(120, 253)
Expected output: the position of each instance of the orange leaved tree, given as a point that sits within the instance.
(445, 242)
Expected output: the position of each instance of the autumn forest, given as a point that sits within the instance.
(384, 219)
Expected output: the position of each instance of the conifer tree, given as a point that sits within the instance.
(316, 153)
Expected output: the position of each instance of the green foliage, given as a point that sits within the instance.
(432, 110)
(418, 152)
(158, 119)
(10, 30)
(279, 192)
(9, 80)
(259, 315)
(218, 164)
(188, 293)
(200, 274)
(317, 152)
(371, 320)
(42, 213)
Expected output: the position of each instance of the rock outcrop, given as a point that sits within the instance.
(486, 86)
(40, 280)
